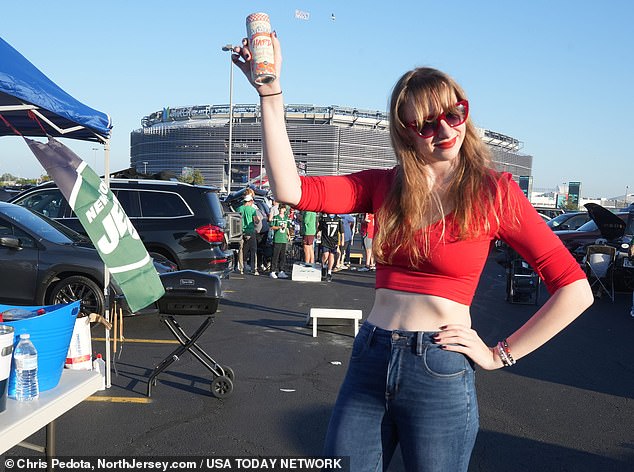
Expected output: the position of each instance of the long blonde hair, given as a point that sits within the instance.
(411, 204)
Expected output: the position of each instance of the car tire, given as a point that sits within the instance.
(78, 287)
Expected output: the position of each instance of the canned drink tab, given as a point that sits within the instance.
(261, 46)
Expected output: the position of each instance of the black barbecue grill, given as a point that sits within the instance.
(192, 293)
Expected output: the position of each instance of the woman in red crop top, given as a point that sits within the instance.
(411, 378)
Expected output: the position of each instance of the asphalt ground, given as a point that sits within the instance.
(567, 407)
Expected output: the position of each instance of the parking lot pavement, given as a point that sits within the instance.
(568, 406)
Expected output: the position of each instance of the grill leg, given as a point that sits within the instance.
(186, 344)
(197, 351)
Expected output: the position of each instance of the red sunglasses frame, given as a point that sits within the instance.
(436, 123)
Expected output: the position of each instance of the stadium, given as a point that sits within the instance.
(326, 140)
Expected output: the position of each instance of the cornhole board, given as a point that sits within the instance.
(306, 272)
(315, 313)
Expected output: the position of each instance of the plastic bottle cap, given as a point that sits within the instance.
(25, 336)
(98, 356)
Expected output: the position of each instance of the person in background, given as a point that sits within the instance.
(281, 227)
(308, 231)
(275, 210)
(348, 234)
(248, 245)
(331, 229)
(367, 235)
(411, 378)
(261, 228)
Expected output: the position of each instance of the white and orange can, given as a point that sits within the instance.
(261, 46)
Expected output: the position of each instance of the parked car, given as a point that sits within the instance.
(550, 212)
(598, 227)
(184, 223)
(569, 220)
(45, 263)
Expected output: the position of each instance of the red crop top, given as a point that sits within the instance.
(454, 267)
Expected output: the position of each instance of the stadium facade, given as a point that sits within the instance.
(325, 140)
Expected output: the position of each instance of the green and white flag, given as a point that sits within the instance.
(105, 222)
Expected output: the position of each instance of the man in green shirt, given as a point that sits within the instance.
(281, 227)
(248, 245)
(308, 231)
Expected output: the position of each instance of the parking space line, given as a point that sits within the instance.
(149, 341)
(118, 399)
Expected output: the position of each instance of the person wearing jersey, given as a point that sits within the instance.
(280, 224)
(308, 230)
(411, 376)
(248, 244)
(331, 228)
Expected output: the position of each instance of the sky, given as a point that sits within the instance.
(554, 74)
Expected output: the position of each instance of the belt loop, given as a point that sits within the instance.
(419, 343)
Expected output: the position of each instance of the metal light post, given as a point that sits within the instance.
(229, 48)
(627, 189)
(145, 167)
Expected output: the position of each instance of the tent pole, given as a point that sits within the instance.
(106, 273)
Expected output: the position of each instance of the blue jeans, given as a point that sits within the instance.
(402, 388)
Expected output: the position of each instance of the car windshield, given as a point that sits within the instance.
(558, 220)
(44, 227)
(588, 226)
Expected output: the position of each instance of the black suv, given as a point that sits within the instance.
(184, 223)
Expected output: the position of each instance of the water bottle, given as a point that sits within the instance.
(25, 359)
(15, 314)
(99, 365)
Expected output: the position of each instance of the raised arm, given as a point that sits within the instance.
(276, 147)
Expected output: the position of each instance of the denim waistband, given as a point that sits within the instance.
(397, 336)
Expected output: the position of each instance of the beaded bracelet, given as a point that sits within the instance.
(505, 360)
(505, 345)
(271, 94)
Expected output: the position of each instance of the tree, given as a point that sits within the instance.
(6, 177)
(194, 177)
(570, 205)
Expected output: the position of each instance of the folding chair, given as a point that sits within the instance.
(599, 267)
(522, 283)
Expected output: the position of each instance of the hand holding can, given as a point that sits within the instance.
(261, 47)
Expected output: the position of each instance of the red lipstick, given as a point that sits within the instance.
(447, 144)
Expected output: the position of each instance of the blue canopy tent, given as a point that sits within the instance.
(32, 105)
(24, 88)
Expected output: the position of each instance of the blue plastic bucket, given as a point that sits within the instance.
(51, 333)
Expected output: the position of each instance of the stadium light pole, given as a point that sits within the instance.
(229, 48)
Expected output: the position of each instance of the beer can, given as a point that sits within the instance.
(261, 46)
